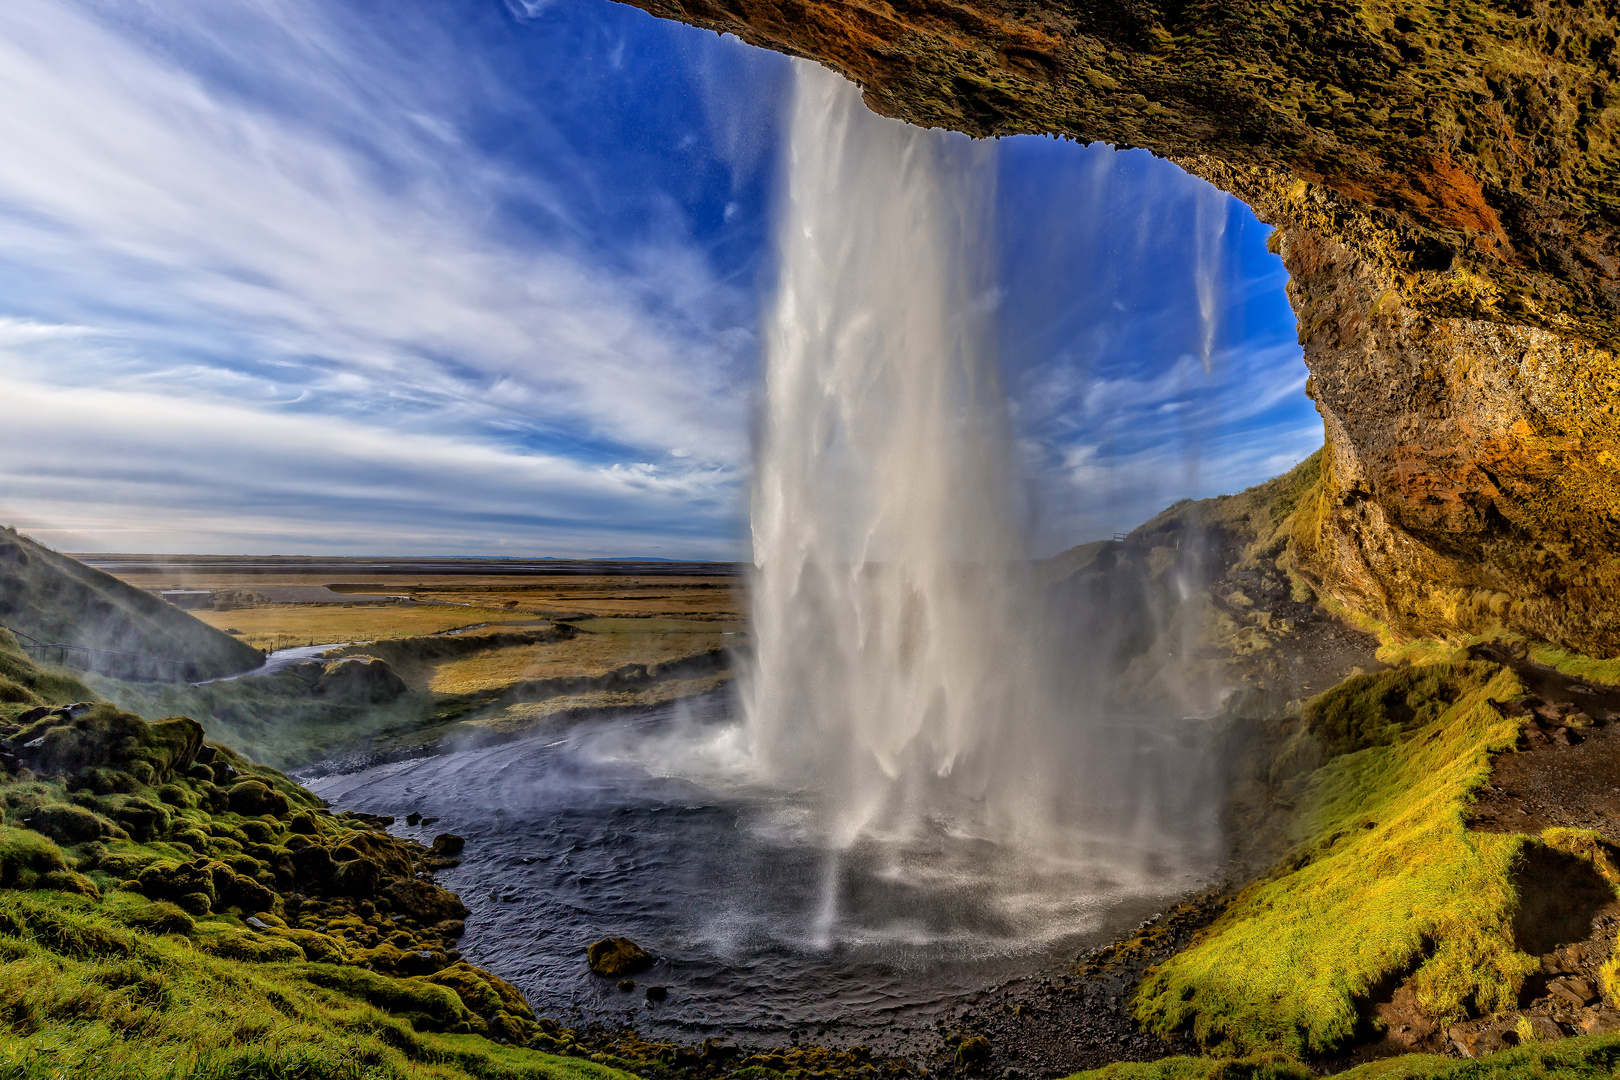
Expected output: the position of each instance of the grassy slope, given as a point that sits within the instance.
(98, 980)
(58, 599)
(83, 993)
(1594, 1057)
(1386, 881)
(277, 720)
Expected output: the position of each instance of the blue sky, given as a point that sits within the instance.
(486, 276)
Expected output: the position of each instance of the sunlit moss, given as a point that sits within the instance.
(1386, 879)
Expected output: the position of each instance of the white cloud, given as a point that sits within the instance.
(127, 470)
(345, 259)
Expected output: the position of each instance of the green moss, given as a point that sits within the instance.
(1374, 710)
(1386, 880)
(24, 855)
(84, 995)
(1593, 1057)
(1582, 667)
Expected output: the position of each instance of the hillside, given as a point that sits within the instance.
(56, 599)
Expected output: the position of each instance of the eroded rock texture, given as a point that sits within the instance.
(1446, 182)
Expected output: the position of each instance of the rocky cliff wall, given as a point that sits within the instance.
(1446, 183)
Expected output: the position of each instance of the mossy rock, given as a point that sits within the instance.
(428, 1006)
(254, 948)
(251, 798)
(317, 947)
(358, 878)
(177, 796)
(25, 856)
(258, 832)
(145, 821)
(68, 824)
(69, 881)
(424, 901)
(152, 916)
(67, 744)
(617, 957)
(483, 992)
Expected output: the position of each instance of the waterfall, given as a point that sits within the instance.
(908, 674)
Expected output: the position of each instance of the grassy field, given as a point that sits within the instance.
(283, 626)
(585, 654)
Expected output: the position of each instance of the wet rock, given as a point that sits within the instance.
(657, 993)
(617, 957)
(627, 985)
(413, 819)
(448, 845)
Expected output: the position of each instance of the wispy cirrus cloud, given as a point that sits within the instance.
(180, 228)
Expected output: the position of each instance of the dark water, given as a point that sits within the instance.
(644, 825)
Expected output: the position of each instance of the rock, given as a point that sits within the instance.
(425, 901)
(627, 985)
(1599, 1021)
(1576, 992)
(1543, 1029)
(973, 1051)
(250, 798)
(67, 824)
(256, 922)
(448, 845)
(720, 1050)
(617, 957)
(413, 819)
(657, 993)
(358, 878)
(1477, 1038)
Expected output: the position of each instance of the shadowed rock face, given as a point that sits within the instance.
(1446, 183)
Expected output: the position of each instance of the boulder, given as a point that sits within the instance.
(425, 901)
(67, 824)
(617, 957)
(250, 798)
(358, 878)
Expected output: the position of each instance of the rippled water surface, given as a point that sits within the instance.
(643, 825)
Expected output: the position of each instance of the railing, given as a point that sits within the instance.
(131, 667)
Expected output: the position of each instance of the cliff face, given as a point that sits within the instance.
(1446, 183)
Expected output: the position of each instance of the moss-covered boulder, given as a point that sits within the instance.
(617, 957)
(25, 856)
(68, 824)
